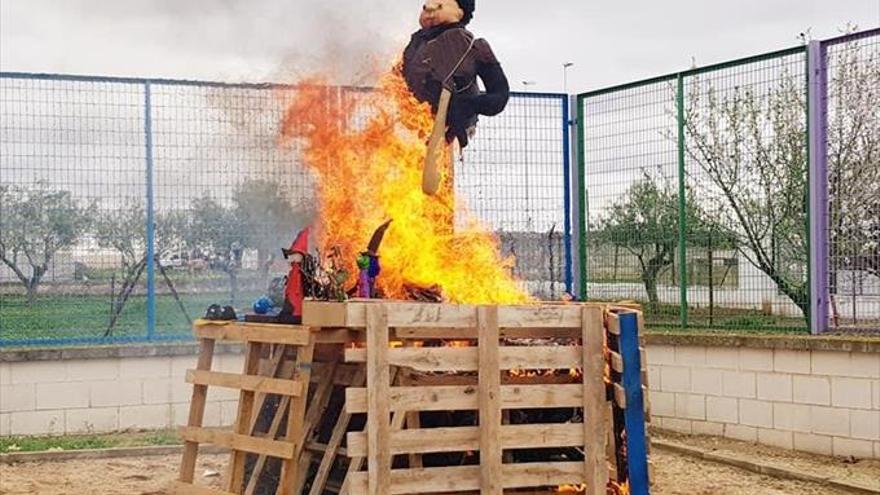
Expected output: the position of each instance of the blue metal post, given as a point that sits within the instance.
(634, 415)
(566, 166)
(817, 72)
(151, 221)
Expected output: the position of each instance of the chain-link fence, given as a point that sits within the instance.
(88, 163)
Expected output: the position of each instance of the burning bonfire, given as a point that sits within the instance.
(370, 171)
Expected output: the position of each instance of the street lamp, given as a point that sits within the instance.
(565, 68)
(526, 85)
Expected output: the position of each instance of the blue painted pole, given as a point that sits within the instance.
(566, 167)
(634, 415)
(151, 220)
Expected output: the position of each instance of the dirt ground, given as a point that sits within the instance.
(675, 474)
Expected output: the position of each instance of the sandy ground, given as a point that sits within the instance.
(676, 474)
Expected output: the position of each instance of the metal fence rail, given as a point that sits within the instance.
(100, 175)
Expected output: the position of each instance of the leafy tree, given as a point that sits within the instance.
(124, 230)
(214, 231)
(645, 222)
(266, 218)
(749, 146)
(35, 223)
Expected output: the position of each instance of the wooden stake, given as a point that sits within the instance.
(295, 419)
(196, 412)
(378, 394)
(490, 402)
(595, 405)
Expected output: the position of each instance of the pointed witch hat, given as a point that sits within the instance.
(300, 244)
(376, 240)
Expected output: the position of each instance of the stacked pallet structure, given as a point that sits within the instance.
(388, 398)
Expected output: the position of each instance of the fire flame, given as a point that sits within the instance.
(369, 172)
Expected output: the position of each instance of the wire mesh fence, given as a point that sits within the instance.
(696, 194)
(853, 174)
(89, 163)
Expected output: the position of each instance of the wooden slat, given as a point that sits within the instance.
(489, 401)
(196, 412)
(252, 383)
(616, 361)
(404, 333)
(245, 417)
(427, 315)
(430, 359)
(467, 478)
(181, 488)
(612, 323)
(228, 439)
(465, 438)
(357, 463)
(332, 449)
(378, 397)
(422, 380)
(255, 332)
(291, 481)
(619, 395)
(595, 406)
(463, 398)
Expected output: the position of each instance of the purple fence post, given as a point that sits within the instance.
(817, 74)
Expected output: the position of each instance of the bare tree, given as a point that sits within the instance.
(854, 160)
(749, 145)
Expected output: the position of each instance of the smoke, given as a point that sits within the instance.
(350, 42)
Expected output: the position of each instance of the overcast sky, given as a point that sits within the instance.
(259, 40)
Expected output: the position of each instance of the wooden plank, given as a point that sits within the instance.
(612, 323)
(228, 439)
(422, 380)
(251, 383)
(181, 488)
(464, 397)
(429, 315)
(595, 405)
(196, 412)
(616, 361)
(332, 448)
(357, 463)
(378, 396)
(294, 433)
(404, 333)
(337, 336)
(466, 438)
(489, 401)
(619, 395)
(431, 359)
(467, 478)
(244, 419)
(255, 332)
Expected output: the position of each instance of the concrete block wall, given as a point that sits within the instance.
(816, 398)
(109, 394)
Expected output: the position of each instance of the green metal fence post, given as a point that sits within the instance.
(582, 198)
(682, 206)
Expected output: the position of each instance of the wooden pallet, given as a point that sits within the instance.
(278, 361)
(381, 442)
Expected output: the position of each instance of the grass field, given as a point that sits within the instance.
(64, 317)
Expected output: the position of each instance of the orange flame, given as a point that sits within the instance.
(370, 172)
